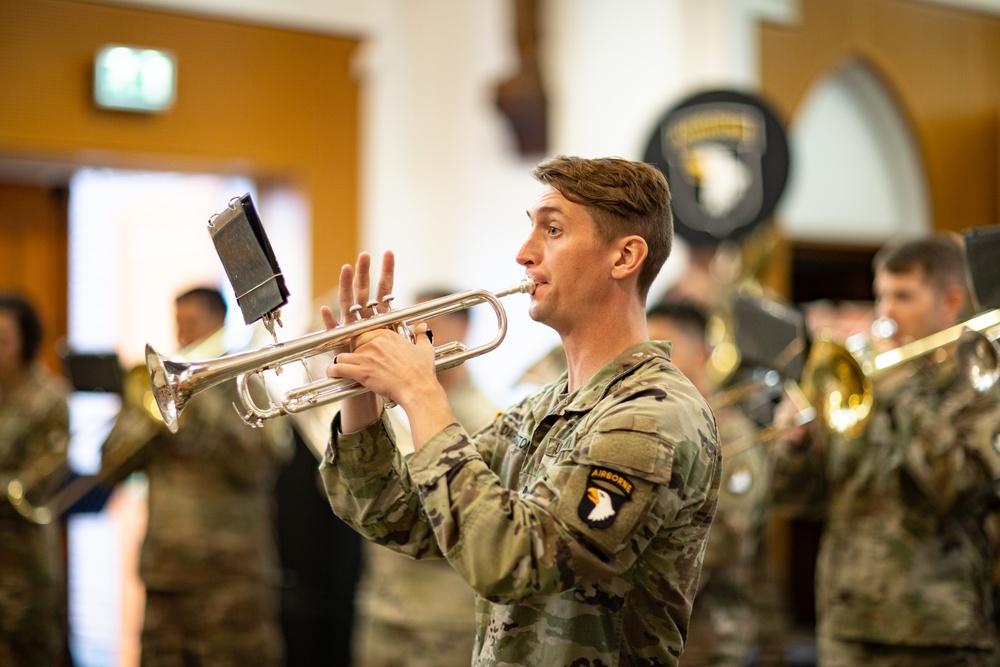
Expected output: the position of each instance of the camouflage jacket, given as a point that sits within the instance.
(723, 621)
(34, 428)
(211, 492)
(579, 520)
(425, 593)
(905, 557)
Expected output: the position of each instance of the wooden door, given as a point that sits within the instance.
(33, 255)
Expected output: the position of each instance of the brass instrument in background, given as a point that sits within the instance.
(839, 381)
(49, 469)
(174, 383)
(52, 469)
(977, 356)
(804, 413)
(767, 343)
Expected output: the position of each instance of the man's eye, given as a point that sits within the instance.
(553, 231)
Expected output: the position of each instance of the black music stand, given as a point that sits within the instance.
(982, 255)
(770, 334)
(94, 371)
(98, 372)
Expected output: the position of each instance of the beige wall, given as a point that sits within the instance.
(941, 64)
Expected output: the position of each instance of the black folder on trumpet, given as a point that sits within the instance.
(249, 261)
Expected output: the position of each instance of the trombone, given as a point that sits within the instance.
(840, 381)
(174, 383)
(804, 413)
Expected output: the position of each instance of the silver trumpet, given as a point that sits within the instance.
(176, 382)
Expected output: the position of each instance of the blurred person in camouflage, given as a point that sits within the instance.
(209, 558)
(580, 515)
(723, 620)
(420, 613)
(34, 427)
(905, 566)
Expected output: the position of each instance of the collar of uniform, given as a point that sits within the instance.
(597, 386)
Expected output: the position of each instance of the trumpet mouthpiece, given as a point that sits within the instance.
(524, 286)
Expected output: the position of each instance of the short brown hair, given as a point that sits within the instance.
(28, 323)
(208, 298)
(624, 197)
(939, 256)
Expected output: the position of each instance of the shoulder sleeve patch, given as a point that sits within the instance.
(606, 492)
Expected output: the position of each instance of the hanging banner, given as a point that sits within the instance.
(726, 157)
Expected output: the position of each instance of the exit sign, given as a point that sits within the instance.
(134, 79)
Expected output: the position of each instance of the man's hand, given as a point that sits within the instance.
(354, 296)
(385, 361)
(389, 365)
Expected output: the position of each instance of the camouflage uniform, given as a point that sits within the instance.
(905, 561)
(723, 621)
(419, 613)
(34, 426)
(209, 559)
(580, 520)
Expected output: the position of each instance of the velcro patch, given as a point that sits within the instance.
(605, 493)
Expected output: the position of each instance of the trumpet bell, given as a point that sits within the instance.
(168, 380)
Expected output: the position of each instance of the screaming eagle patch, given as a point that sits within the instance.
(605, 493)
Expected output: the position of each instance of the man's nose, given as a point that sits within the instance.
(527, 255)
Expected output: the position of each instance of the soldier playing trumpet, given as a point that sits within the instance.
(580, 515)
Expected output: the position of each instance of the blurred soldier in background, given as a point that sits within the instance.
(209, 560)
(421, 613)
(34, 426)
(723, 620)
(906, 565)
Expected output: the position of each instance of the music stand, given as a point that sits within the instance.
(982, 255)
(98, 372)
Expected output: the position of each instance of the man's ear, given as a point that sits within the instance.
(632, 252)
(954, 300)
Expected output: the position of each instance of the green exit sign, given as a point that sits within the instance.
(134, 79)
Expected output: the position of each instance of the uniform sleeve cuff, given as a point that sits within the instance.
(362, 449)
(447, 450)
